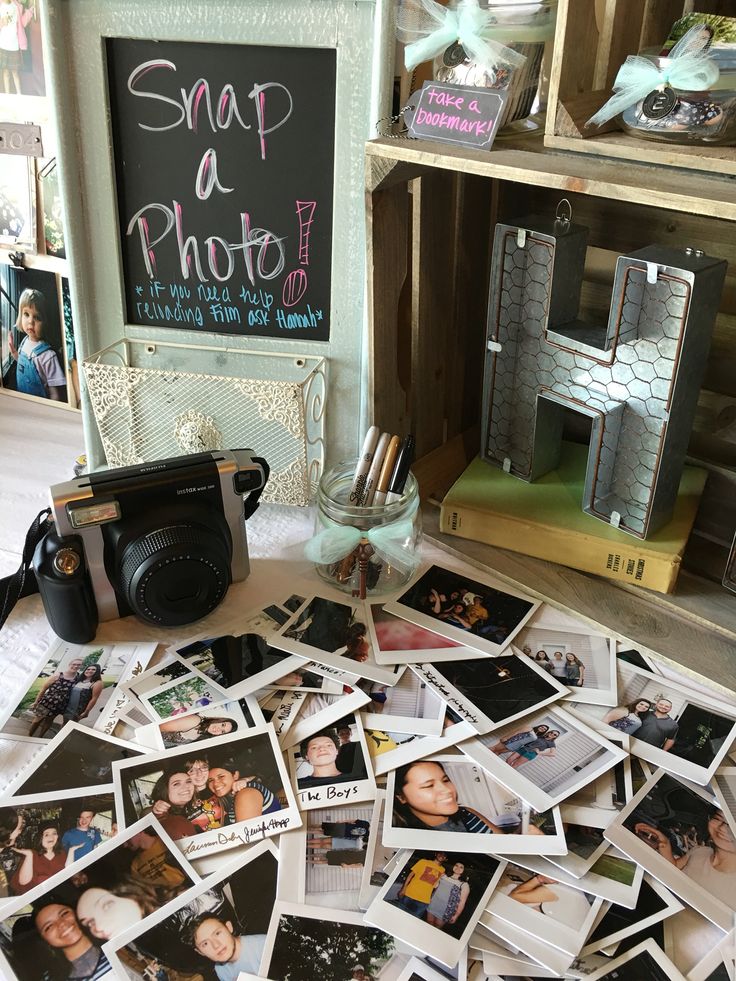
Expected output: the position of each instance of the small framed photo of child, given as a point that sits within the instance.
(33, 334)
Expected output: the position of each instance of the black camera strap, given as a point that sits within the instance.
(23, 581)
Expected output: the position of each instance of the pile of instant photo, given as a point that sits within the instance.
(460, 782)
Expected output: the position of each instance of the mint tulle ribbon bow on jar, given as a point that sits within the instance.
(373, 549)
(688, 68)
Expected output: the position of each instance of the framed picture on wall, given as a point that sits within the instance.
(17, 203)
(32, 334)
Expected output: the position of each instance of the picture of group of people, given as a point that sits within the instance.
(217, 934)
(568, 650)
(331, 756)
(691, 834)
(205, 790)
(567, 667)
(61, 935)
(440, 888)
(467, 605)
(525, 745)
(39, 840)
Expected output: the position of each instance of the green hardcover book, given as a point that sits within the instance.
(545, 519)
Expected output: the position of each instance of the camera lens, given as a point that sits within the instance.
(175, 575)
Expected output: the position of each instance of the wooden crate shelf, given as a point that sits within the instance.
(431, 211)
(592, 41)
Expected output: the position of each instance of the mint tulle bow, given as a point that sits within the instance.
(690, 68)
(336, 542)
(427, 29)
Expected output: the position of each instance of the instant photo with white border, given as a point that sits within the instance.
(318, 712)
(699, 896)
(499, 957)
(153, 734)
(602, 756)
(104, 714)
(257, 621)
(377, 854)
(467, 583)
(669, 906)
(546, 924)
(418, 968)
(97, 801)
(329, 884)
(723, 786)
(613, 890)
(603, 798)
(651, 688)
(721, 957)
(220, 877)
(208, 689)
(230, 835)
(147, 823)
(501, 672)
(340, 791)
(509, 811)
(297, 637)
(418, 932)
(411, 705)
(413, 747)
(433, 647)
(553, 631)
(53, 748)
(389, 970)
(642, 952)
(549, 957)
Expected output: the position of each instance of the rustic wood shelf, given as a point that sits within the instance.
(431, 210)
(529, 162)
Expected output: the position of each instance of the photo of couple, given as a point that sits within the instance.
(62, 933)
(201, 791)
(661, 714)
(74, 685)
(37, 841)
(216, 935)
(525, 745)
(440, 889)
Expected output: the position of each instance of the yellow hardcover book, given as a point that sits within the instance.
(545, 519)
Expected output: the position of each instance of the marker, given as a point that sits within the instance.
(401, 470)
(371, 481)
(389, 462)
(364, 464)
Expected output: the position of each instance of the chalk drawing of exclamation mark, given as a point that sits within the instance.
(295, 285)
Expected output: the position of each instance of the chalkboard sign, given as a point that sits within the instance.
(224, 165)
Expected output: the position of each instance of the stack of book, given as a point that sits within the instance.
(545, 519)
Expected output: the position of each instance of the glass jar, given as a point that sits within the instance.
(385, 536)
(523, 27)
(678, 116)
